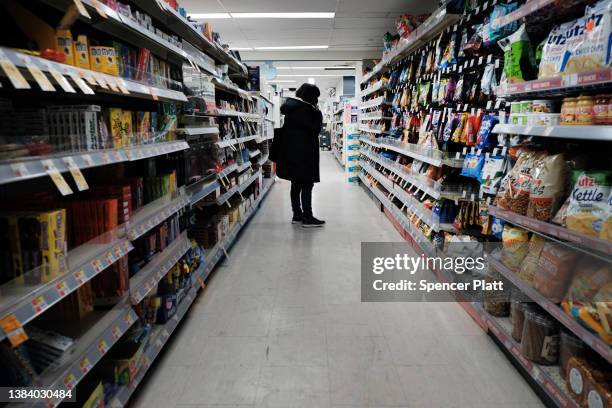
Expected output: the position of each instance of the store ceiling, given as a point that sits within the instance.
(355, 32)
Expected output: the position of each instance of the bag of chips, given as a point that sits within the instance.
(556, 49)
(472, 165)
(518, 56)
(588, 207)
(547, 187)
(492, 173)
(593, 49)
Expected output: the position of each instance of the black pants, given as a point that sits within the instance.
(301, 191)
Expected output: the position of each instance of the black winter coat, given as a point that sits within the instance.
(298, 154)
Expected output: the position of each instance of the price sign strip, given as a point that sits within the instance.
(136, 230)
(237, 189)
(539, 373)
(33, 305)
(594, 342)
(147, 279)
(83, 363)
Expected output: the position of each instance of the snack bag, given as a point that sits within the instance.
(555, 269)
(557, 48)
(595, 45)
(515, 246)
(530, 264)
(547, 187)
(484, 133)
(492, 173)
(588, 201)
(472, 165)
(606, 227)
(518, 56)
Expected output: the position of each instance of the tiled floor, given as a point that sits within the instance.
(281, 325)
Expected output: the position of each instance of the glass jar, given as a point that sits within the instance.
(517, 316)
(540, 338)
(568, 111)
(571, 346)
(584, 110)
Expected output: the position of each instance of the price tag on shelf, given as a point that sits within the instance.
(77, 175)
(99, 8)
(489, 105)
(12, 72)
(472, 62)
(105, 157)
(81, 8)
(457, 155)
(20, 170)
(85, 365)
(498, 103)
(116, 332)
(59, 78)
(81, 84)
(57, 177)
(62, 288)
(102, 346)
(88, 77)
(97, 265)
(497, 63)
(13, 330)
(112, 83)
(79, 276)
(480, 59)
(153, 92)
(123, 86)
(101, 78)
(40, 78)
(39, 304)
(70, 381)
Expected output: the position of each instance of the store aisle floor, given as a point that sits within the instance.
(281, 325)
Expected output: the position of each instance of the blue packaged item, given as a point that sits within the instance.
(497, 227)
(484, 139)
(472, 165)
(389, 155)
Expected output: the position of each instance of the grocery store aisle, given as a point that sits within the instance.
(281, 325)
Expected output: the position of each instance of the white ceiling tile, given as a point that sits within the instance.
(384, 24)
(284, 24)
(398, 6)
(202, 6)
(262, 6)
(321, 37)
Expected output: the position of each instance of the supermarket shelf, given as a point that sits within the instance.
(224, 86)
(409, 202)
(197, 131)
(545, 376)
(231, 142)
(147, 279)
(237, 189)
(375, 131)
(263, 139)
(244, 166)
(338, 157)
(260, 95)
(227, 171)
(201, 192)
(154, 213)
(433, 157)
(132, 88)
(380, 101)
(425, 246)
(124, 27)
(380, 85)
(589, 338)
(437, 22)
(254, 153)
(377, 116)
(433, 190)
(251, 117)
(161, 336)
(88, 350)
(558, 85)
(543, 228)
(25, 168)
(172, 20)
(26, 302)
(263, 159)
(156, 343)
(601, 133)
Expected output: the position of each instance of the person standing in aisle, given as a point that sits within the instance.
(297, 157)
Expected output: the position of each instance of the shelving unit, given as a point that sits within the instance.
(600, 133)
(156, 191)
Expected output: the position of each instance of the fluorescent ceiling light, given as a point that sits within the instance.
(331, 67)
(241, 48)
(204, 16)
(308, 75)
(311, 80)
(283, 15)
(207, 16)
(295, 47)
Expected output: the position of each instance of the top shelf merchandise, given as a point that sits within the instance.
(129, 161)
(495, 129)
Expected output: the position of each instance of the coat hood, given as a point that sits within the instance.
(292, 104)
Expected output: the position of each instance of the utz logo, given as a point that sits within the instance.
(594, 20)
(585, 181)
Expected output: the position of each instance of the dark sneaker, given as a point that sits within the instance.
(297, 219)
(312, 222)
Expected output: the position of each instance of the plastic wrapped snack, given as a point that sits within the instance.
(556, 49)
(554, 272)
(515, 246)
(540, 338)
(547, 187)
(530, 263)
(606, 226)
(492, 173)
(595, 45)
(588, 208)
(518, 56)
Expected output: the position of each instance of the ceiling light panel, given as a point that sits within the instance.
(209, 16)
(294, 47)
(283, 15)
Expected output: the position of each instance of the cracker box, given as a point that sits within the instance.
(103, 59)
(63, 43)
(81, 52)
